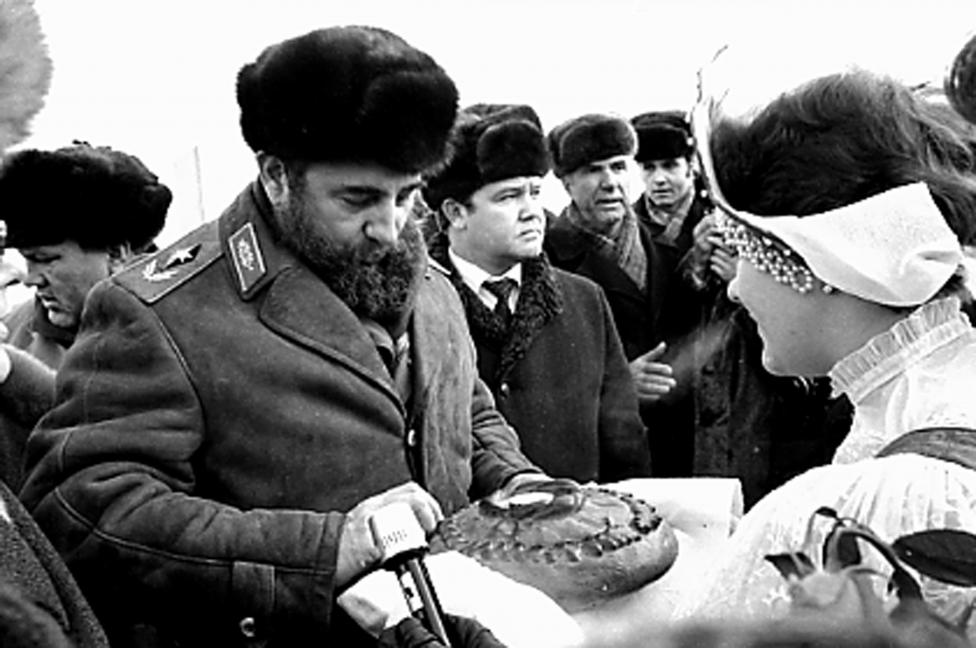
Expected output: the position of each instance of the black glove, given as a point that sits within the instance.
(462, 631)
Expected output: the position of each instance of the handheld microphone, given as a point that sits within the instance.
(402, 543)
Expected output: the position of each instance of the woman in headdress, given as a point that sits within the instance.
(847, 200)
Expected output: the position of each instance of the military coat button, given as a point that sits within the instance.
(504, 390)
(411, 438)
(249, 627)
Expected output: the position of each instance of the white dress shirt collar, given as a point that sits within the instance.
(473, 277)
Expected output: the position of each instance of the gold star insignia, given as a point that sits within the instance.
(181, 256)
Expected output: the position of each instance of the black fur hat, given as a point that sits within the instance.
(94, 196)
(489, 142)
(663, 135)
(348, 94)
(588, 138)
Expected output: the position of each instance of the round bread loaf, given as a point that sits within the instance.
(582, 546)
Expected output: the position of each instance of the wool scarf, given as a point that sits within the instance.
(621, 244)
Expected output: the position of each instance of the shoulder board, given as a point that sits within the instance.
(154, 276)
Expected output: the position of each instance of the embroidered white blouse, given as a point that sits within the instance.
(920, 373)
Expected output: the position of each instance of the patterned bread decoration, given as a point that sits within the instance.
(580, 545)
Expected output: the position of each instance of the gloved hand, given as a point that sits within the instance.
(462, 631)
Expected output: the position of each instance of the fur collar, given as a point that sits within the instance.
(540, 301)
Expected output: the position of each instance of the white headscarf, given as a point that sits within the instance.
(893, 248)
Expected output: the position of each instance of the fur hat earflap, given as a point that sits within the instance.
(94, 196)
(589, 138)
(490, 142)
(663, 135)
(348, 94)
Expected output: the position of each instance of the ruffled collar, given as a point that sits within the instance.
(887, 354)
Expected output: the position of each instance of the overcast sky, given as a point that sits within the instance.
(156, 78)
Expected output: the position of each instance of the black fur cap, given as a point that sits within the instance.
(489, 142)
(95, 196)
(589, 138)
(663, 135)
(348, 94)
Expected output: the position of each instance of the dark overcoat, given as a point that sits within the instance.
(635, 314)
(559, 375)
(682, 302)
(667, 310)
(220, 410)
(40, 603)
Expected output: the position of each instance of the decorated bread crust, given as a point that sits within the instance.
(580, 545)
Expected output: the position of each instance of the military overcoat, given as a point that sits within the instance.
(220, 410)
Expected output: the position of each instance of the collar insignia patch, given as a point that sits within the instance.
(248, 258)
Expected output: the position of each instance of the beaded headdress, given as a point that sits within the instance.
(766, 253)
(893, 248)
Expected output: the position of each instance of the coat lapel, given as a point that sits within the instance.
(539, 303)
(297, 304)
(611, 276)
(428, 330)
(568, 248)
(300, 307)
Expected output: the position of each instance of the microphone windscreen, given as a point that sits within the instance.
(396, 531)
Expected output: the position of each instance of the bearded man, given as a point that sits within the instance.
(235, 407)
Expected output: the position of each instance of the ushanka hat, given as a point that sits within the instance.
(589, 138)
(490, 142)
(662, 135)
(348, 94)
(95, 196)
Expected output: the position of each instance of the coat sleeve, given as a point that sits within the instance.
(28, 392)
(496, 455)
(111, 481)
(624, 451)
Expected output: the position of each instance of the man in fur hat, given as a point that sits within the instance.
(76, 215)
(670, 210)
(670, 206)
(576, 413)
(599, 236)
(40, 603)
(236, 406)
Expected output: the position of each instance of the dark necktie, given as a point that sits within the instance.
(501, 289)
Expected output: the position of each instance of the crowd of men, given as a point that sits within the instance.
(386, 314)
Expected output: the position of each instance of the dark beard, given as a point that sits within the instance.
(374, 284)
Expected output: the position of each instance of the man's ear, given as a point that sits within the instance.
(118, 256)
(454, 213)
(274, 177)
